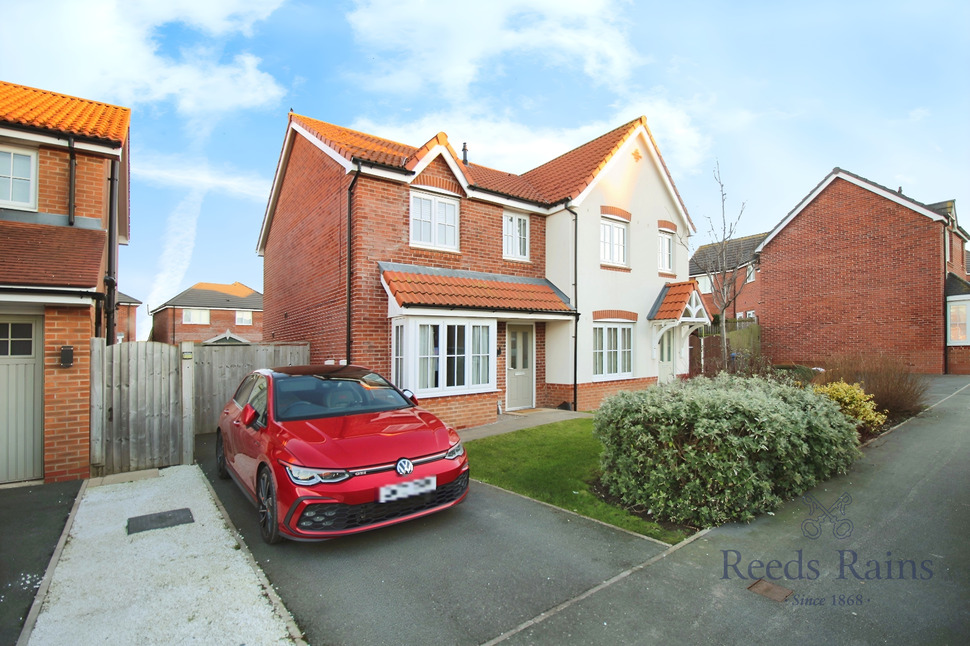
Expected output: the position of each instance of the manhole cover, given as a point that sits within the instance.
(770, 590)
(161, 519)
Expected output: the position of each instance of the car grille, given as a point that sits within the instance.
(335, 517)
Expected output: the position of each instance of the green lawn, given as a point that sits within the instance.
(555, 463)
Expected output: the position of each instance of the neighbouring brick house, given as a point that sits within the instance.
(210, 313)
(126, 327)
(708, 264)
(481, 290)
(63, 213)
(858, 269)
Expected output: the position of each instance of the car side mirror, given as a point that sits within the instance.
(407, 393)
(249, 415)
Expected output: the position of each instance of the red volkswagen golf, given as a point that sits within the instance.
(325, 451)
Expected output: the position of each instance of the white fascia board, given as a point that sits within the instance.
(889, 195)
(61, 142)
(48, 299)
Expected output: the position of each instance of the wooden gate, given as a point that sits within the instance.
(219, 369)
(136, 407)
(148, 400)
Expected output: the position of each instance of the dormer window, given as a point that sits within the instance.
(18, 178)
(434, 221)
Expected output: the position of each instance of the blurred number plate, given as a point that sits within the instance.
(390, 493)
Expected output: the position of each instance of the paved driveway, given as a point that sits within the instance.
(503, 569)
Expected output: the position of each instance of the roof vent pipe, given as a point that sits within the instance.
(464, 153)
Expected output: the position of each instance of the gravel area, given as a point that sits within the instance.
(188, 584)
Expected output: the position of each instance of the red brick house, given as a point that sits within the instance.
(210, 313)
(478, 289)
(707, 267)
(63, 213)
(126, 326)
(858, 268)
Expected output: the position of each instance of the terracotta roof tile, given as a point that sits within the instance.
(564, 177)
(51, 256)
(27, 106)
(422, 286)
(673, 300)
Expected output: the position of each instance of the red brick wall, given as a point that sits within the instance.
(125, 323)
(958, 360)
(749, 299)
(854, 273)
(167, 326)
(304, 268)
(90, 184)
(67, 393)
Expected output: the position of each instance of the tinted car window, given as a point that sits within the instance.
(242, 393)
(310, 396)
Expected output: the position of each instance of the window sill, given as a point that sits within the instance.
(521, 261)
(599, 379)
(615, 268)
(438, 394)
(415, 245)
(666, 274)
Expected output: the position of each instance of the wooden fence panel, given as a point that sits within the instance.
(220, 368)
(136, 423)
(149, 399)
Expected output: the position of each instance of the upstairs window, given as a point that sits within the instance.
(244, 317)
(613, 241)
(515, 234)
(666, 252)
(434, 221)
(195, 317)
(18, 178)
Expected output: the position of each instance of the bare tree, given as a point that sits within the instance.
(724, 267)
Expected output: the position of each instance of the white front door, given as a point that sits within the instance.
(520, 373)
(21, 398)
(666, 370)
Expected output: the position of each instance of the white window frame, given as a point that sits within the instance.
(614, 241)
(5, 201)
(749, 277)
(244, 317)
(665, 251)
(433, 227)
(613, 352)
(750, 314)
(195, 316)
(426, 370)
(704, 284)
(961, 304)
(515, 236)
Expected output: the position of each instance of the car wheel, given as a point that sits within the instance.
(266, 507)
(221, 469)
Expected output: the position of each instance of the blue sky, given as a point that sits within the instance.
(776, 93)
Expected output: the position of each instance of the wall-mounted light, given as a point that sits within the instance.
(67, 356)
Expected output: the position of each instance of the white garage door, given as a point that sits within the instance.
(21, 398)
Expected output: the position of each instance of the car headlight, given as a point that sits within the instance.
(455, 451)
(305, 476)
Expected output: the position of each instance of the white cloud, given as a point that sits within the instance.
(449, 44)
(110, 51)
(183, 172)
(180, 229)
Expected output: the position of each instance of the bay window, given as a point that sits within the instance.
(612, 350)
(436, 357)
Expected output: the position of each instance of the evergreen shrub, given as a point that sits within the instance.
(711, 450)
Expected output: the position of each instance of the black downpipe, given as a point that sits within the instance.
(71, 180)
(575, 306)
(111, 278)
(350, 256)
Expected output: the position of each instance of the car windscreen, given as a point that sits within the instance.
(310, 396)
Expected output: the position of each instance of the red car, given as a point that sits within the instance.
(325, 451)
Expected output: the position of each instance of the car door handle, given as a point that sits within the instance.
(235, 422)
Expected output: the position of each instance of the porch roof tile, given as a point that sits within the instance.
(416, 286)
(673, 300)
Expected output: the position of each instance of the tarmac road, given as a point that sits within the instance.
(504, 569)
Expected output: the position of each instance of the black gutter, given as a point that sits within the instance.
(111, 278)
(71, 180)
(350, 256)
(575, 304)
